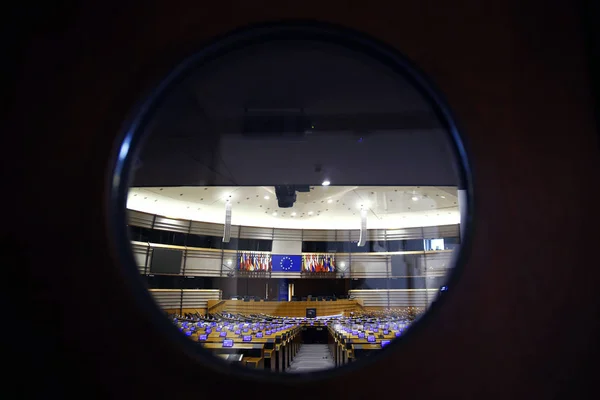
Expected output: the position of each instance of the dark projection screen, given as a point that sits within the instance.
(166, 261)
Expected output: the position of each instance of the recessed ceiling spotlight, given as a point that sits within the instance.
(326, 183)
(415, 198)
(267, 197)
(310, 213)
(443, 197)
(293, 214)
(274, 214)
(330, 201)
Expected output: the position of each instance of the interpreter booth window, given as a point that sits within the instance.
(434, 244)
(295, 203)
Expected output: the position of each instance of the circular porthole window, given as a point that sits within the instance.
(293, 198)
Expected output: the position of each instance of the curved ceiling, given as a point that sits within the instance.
(324, 207)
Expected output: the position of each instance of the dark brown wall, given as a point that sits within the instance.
(302, 287)
(515, 76)
(320, 287)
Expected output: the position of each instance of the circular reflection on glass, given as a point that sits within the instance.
(296, 204)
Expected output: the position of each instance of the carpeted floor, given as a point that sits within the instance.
(311, 357)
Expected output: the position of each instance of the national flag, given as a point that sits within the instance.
(332, 264)
(241, 265)
(247, 257)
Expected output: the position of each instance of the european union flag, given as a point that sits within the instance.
(286, 263)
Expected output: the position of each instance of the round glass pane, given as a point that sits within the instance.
(296, 203)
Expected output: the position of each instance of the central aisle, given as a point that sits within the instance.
(312, 357)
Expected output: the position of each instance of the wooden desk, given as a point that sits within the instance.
(344, 344)
(363, 350)
(254, 352)
(283, 308)
(284, 345)
(237, 347)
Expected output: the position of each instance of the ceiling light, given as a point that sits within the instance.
(415, 198)
(326, 183)
(343, 264)
(293, 214)
(274, 214)
(330, 201)
(310, 213)
(443, 197)
(267, 197)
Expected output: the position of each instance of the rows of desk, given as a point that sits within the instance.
(347, 347)
(274, 351)
(280, 339)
